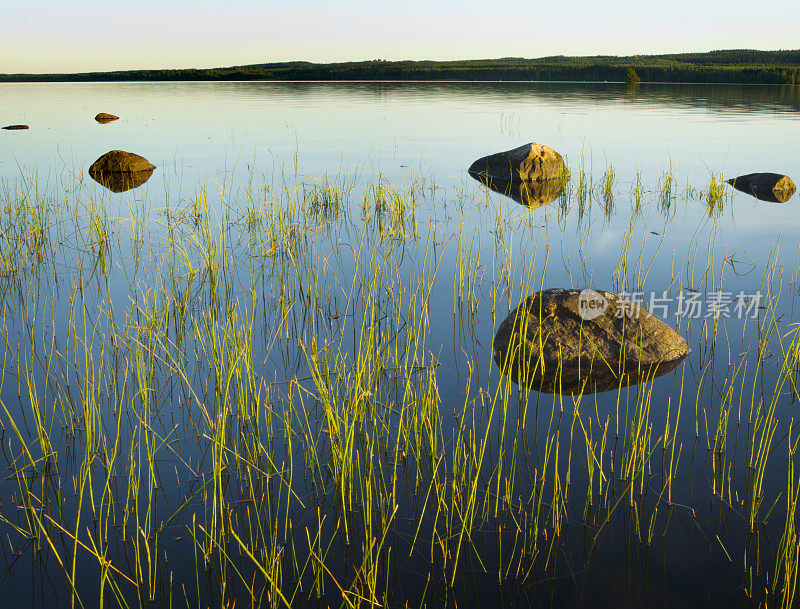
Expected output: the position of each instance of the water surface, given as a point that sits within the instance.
(456, 258)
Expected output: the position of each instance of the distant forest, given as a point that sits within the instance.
(735, 66)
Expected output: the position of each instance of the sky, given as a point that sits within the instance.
(56, 36)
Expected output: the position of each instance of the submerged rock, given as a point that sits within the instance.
(772, 187)
(576, 341)
(531, 162)
(119, 161)
(16, 127)
(105, 118)
(530, 194)
(120, 181)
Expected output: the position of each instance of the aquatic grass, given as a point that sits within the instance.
(667, 187)
(715, 194)
(263, 411)
(787, 561)
(606, 185)
(326, 200)
(583, 187)
(637, 191)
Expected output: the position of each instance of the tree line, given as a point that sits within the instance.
(731, 66)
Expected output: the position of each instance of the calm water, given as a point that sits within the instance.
(241, 141)
(201, 132)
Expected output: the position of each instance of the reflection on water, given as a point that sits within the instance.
(120, 181)
(588, 376)
(568, 95)
(530, 194)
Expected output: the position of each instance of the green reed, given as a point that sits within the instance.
(264, 388)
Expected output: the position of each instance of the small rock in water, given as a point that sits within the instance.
(772, 187)
(105, 118)
(16, 127)
(530, 162)
(583, 341)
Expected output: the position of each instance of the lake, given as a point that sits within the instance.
(265, 376)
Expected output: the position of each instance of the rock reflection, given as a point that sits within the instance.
(593, 377)
(119, 181)
(530, 194)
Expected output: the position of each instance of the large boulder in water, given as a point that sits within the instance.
(531, 162)
(773, 187)
(119, 161)
(576, 341)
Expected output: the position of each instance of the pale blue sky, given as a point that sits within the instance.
(50, 36)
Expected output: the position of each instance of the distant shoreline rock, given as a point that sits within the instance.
(103, 117)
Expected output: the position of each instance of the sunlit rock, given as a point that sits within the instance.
(103, 117)
(583, 341)
(120, 161)
(772, 187)
(531, 162)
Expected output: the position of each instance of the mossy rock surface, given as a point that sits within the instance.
(119, 161)
(555, 341)
(530, 162)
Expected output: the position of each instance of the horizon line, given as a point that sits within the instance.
(377, 60)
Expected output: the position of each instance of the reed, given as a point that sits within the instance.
(257, 398)
(715, 194)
